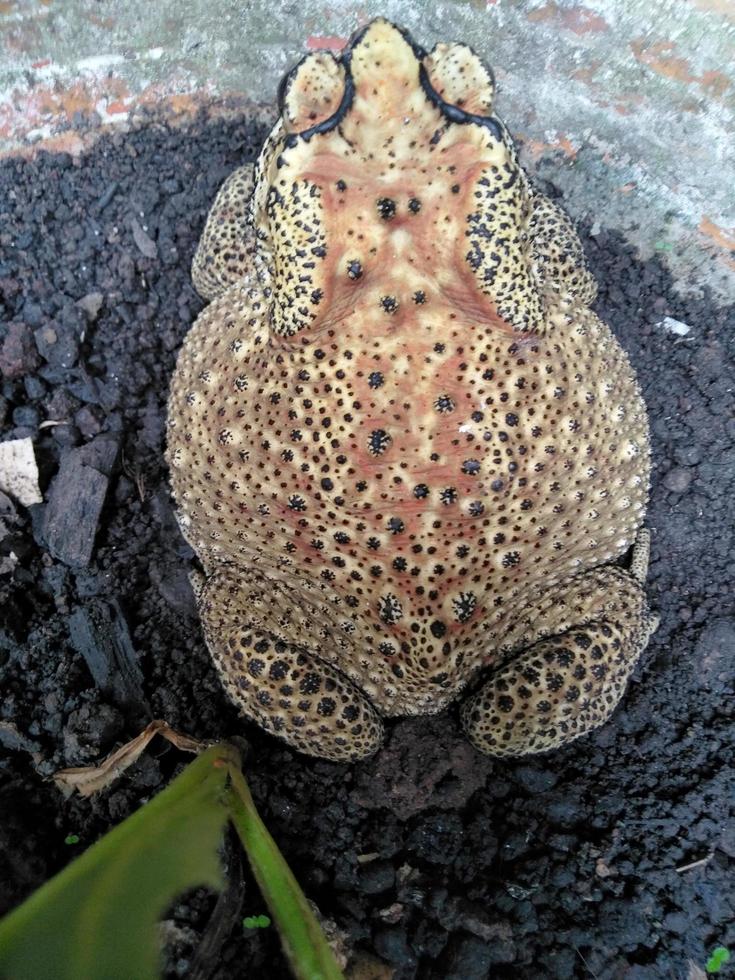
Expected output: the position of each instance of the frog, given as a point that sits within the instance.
(411, 460)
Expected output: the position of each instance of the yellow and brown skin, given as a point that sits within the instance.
(405, 450)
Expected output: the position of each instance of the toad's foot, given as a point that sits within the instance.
(288, 690)
(568, 683)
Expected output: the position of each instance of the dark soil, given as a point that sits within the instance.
(442, 862)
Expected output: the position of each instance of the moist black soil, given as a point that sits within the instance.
(608, 858)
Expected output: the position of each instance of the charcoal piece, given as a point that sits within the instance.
(88, 421)
(75, 501)
(72, 513)
(100, 634)
(100, 453)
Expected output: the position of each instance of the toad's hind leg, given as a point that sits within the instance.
(225, 251)
(568, 682)
(250, 625)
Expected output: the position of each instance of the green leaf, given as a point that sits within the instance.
(256, 921)
(97, 919)
(71, 839)
(718, 958)
(304, 943)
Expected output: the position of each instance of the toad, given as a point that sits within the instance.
(408, 455)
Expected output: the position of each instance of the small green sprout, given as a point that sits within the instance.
(71, 839)
(256, 921)
(718, 958)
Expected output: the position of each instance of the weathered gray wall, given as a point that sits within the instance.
(628, 105)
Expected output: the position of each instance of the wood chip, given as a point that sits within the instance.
(99, 633)
(75, 500)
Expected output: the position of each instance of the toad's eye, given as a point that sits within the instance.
(460, 78)
(311, 92)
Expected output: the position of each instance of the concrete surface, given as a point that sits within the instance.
(627, 105)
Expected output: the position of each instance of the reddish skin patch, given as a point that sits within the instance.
(463, 296)
(348, 307)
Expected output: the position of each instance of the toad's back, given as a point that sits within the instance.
(402, 445)
(424, 483)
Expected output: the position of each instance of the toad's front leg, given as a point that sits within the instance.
(226, 249)
(567, 683)
(251, 626)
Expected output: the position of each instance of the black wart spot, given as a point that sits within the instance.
(378, 442)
